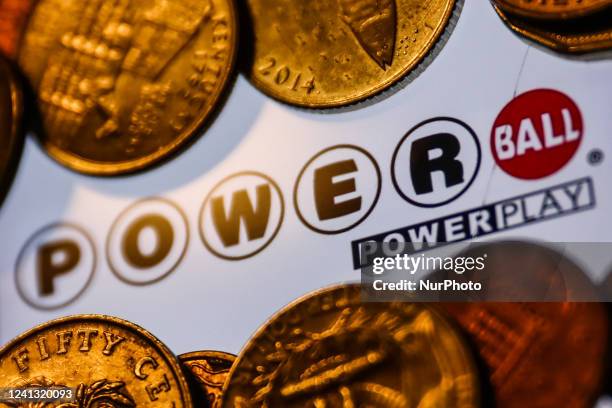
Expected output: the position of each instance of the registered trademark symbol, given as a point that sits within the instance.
(595, 156)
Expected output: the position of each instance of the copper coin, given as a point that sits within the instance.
(539, 355)
(13, 14)
(554, 9)
(578, 36)
(207, 372)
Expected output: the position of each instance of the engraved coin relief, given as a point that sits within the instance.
(330, 350)
(374, 23)
(123, 84)
(209, 371)
(109, 362)
(518, 341)
(323, 54)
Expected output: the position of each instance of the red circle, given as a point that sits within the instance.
(550, 127)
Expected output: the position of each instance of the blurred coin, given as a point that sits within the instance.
(11, 136)
(605, 288)
(107, 361)
(554, 9)
(122, 85)
(544, 354)
(323, 54)
(578, 36)
(208, 371)
(540, 355)
(329, 349)
(13, 14)
(520, 271)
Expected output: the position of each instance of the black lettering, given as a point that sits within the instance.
(422, 167)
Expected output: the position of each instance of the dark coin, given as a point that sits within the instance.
(208, 371)
(11, 136)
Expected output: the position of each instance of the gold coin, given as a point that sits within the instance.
(208, 371)
(107, 361)
(589, 34)
(122, 84)
(11, 136)
(330, 53)
(329, 349)
(553, 9)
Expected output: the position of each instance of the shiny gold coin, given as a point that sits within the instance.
(588, 34)
(330, 350)
(107, 361)
(11, 136)
(123, 84)
(208, 371)
(330, 53)
(553, 9)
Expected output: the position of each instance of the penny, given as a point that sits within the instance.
(11, 136)
(13, 14)
(565, 9)
(329, 349)
(539, 353)
(208, 370)
(107, 361)
(323, 54)
(588, 34)
(122, 85)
